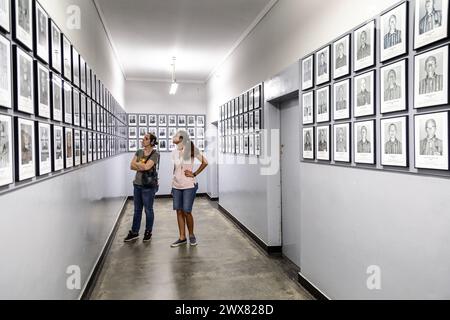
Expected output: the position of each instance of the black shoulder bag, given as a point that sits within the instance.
(150, 177)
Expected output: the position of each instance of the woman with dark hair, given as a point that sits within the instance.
(145, 160)
(184, 185)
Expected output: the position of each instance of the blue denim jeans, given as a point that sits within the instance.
(143, 198)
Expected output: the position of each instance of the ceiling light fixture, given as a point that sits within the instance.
(174, 85)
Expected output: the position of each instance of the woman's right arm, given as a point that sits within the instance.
(134, 164)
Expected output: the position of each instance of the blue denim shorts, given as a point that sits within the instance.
(184, 199)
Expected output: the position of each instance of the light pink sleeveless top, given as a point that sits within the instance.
(180, 181)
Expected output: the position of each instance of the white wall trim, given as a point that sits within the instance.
(108, 35)
(244, 36)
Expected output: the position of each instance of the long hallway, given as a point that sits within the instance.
(225, 265)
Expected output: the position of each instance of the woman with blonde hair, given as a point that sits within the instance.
(184, 185)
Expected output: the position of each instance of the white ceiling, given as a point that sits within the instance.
(146, 34)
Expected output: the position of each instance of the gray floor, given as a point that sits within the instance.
(226, 265)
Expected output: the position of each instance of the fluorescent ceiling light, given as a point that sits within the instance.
(173, 88)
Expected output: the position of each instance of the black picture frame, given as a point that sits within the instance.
(405, 164)
(75, 67)
(66, 63)
(7, 143)
(24, 141)
(43, 167)
(42, 90)
(23, 83)
(6, 96)
(41, 35)
(55, 46)
(56, 91)
(22, 14)
(57, 148)
(5, 18)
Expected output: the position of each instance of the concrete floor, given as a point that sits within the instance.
(226, 265)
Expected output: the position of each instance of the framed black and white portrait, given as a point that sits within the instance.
(341, 101)
(43, 91)
(172, 132)
(42, 36)
(44, 148)
(393, 87)
(6, 150)
(152, 120)
(431, 78)
(67, 58)
(200, 121)
(200, 144)
(75, 67)
(83, 110)
(364, 94)
(153, 131)
(191, 132)
(191, 121)
(76, 107)
(77, 147)
(25, 152)
(245, 123)
(181, 121)
(84, 151)
(342, 144)
(308, 107)
(308, 143)
(323, 66)
(257, 144)
(323, 143)
(90, 146)
(82, 74)
(67, 103)
(142, 132)
(162, 133)
(251, 123)
(431, 22)
(24, 81)
(162, 145)
(258, 97)
(23, 30)
(89, 81)
(257, 120)
(364, 141)
(55, 47)
(5, 23)
(323, 104)
(89, 116)
(307, 73)
(5, 73)
(364, 46)
(245, 99)
(143, 120)
(341, 58)
(162, 120)
(57, 100)
(132, 120)
(394, 32)
(251, 145)
(172, 120)
(251, 96)
(200, 133)
(394, 142)
(58, 148)
(431, 141)
(132, 145)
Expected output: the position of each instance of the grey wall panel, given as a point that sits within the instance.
(165, 175)
(352, 219)
(243, 193)
(60, 222)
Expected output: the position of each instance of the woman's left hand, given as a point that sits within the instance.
(189, 174)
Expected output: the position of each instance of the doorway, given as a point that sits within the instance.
(290, 178)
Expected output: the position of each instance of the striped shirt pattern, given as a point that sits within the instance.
(393, 147)
(431, 84)
(392, 39)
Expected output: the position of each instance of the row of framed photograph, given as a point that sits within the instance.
(249, 122)
(431, 142)
(248, 101)
(164, 120)
(164, 132)
(431, 72)
(164, 145)
(39, 148)
(248, 144)
(38, 46)
(430, 26)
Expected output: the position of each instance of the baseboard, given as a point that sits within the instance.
(271, 250)
(92, 281)
(312, 289)
(212, 198)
